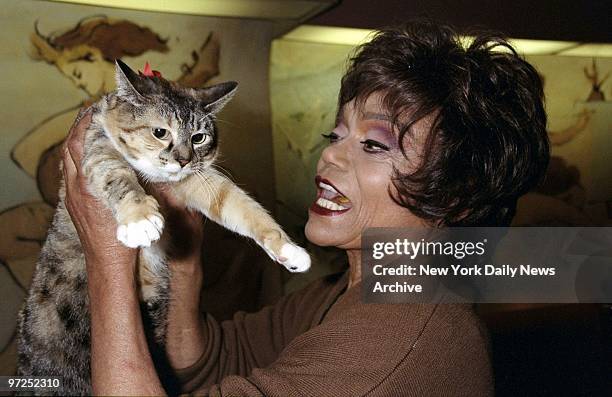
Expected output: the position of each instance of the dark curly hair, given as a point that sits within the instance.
(487, 144)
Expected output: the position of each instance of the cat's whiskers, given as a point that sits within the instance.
(228, 123)
(214, 188)
(210, 188)
(216, 166)
(144, 177)
(223, 170)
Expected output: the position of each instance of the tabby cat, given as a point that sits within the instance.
(155, 129)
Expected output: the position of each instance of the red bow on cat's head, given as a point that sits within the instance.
(148, 72)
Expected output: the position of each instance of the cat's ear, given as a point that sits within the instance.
(217, 96)
(130, 84)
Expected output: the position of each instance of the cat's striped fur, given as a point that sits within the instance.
(125, 141)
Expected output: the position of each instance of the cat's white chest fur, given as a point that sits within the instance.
(155, 257)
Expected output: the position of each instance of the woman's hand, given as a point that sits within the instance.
(121, 363)
(93, 221)
(185, 335)
(184, 226)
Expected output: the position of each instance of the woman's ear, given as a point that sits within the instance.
(217, 96)
(130, 84)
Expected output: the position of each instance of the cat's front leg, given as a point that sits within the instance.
(114, 181)
(140, 222)
(225, 203)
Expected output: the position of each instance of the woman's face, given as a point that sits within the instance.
(354, 179)
(87, 69)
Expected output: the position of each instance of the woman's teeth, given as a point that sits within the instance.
(325, 186)
(343, 200)
(330, 205)
(332, 199)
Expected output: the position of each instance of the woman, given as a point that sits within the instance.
(428, 134)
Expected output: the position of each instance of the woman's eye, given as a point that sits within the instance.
(199, 139)
(372, 146)
(332, 136)
(87, 57)
(160, 133)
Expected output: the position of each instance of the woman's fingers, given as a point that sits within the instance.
(163, 194)
(77, 120)
(72, 155)
(69, 168)
(76, 137)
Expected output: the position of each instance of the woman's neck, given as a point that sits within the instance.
(354, 260)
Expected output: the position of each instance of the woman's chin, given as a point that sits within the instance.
(325, 236)
(312, 234)
(317, 234)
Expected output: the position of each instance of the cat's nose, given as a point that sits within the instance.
(182, 155)
(183, 162)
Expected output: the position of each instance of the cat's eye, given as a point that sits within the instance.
(198, 139)
(160, 133)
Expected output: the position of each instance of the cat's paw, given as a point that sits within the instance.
(141, 233)
(140, 224)
(278, 246)
(294, 258)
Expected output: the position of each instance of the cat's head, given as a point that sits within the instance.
(164, 130)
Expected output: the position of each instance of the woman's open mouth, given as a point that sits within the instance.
(330, 201)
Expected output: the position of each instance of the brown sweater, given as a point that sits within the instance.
(323, 341)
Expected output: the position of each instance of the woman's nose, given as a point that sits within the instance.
(336, 154)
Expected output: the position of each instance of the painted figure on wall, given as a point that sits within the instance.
(85, 55)
(592, 74)
(563, 198)
(559, 200)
